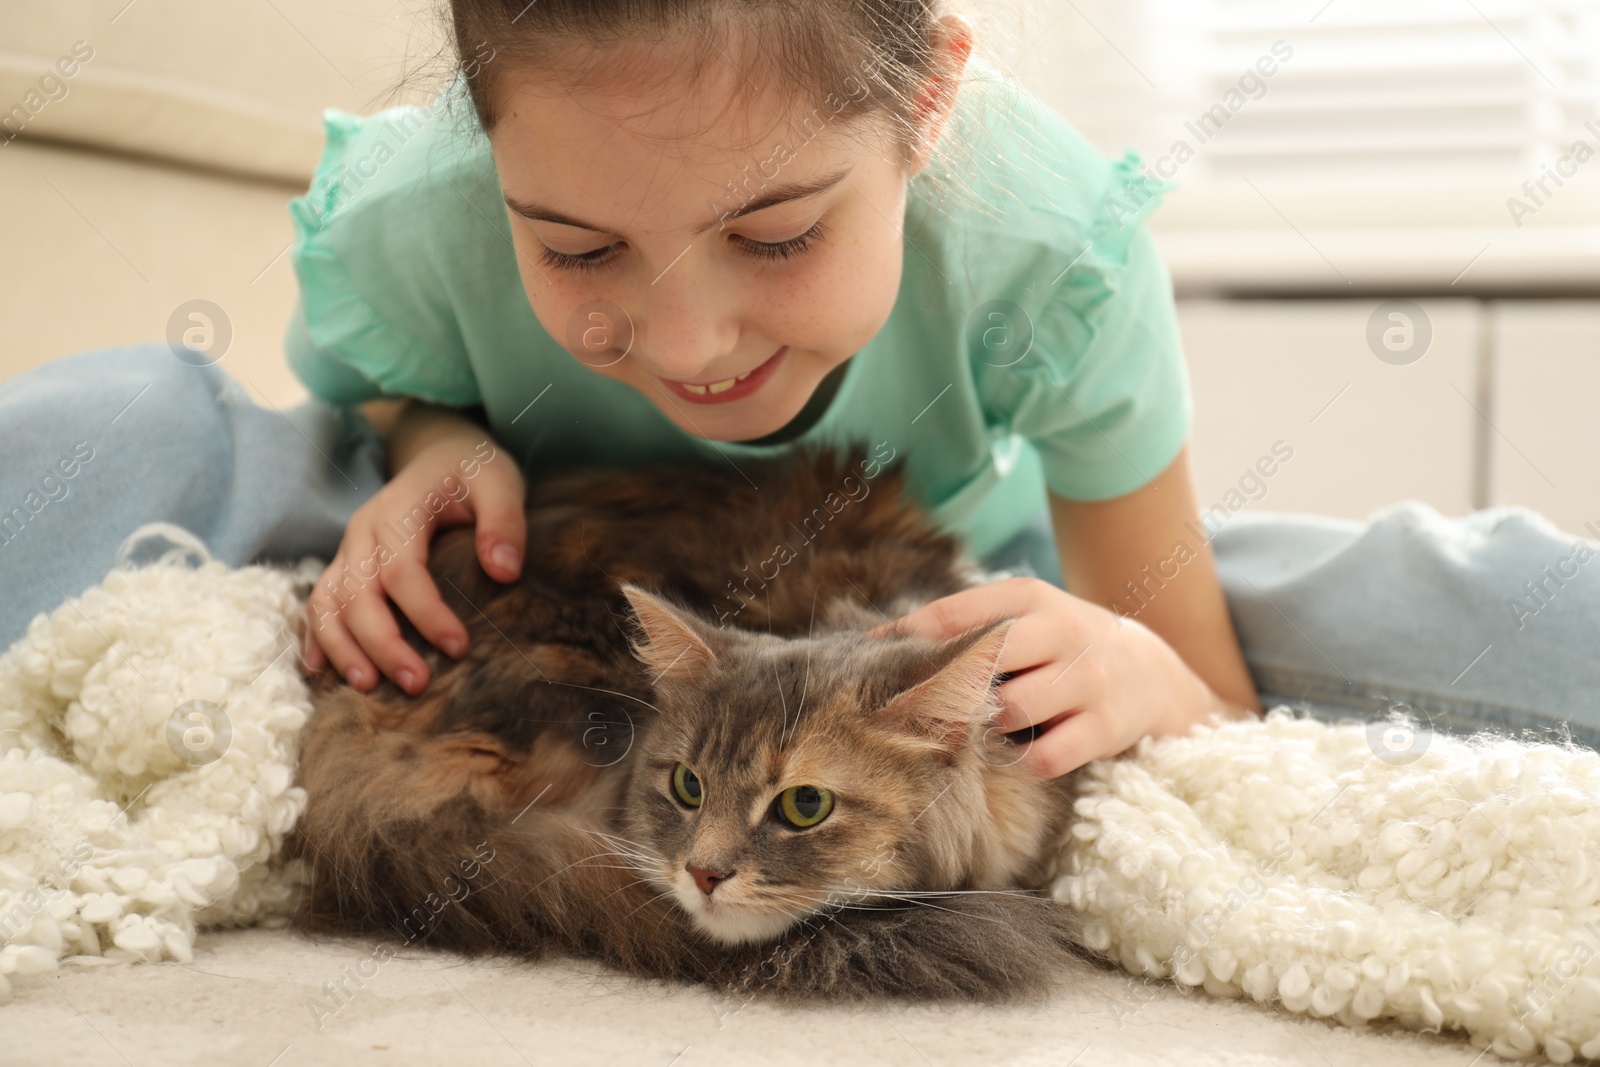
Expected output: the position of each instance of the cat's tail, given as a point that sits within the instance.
(1005, 945)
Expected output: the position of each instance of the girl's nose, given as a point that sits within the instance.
(686, 326)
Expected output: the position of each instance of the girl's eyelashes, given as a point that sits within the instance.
(771, 250)
(583, 261)
(763, 250)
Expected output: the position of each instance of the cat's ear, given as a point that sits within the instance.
(673, 645)
(947, 707)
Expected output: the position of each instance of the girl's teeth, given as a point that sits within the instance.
(716, 387)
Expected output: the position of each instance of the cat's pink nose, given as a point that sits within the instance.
(707, 880)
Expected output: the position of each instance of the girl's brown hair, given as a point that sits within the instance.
(853, 59)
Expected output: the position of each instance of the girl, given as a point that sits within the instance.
(706, 233)
(661, 230)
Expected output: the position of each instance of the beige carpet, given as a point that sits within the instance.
(246, 1000)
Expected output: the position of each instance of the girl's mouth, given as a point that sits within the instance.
(729, 389)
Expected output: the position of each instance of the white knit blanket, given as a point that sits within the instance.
(1306, 864)
(148, 733)
(1285, 860)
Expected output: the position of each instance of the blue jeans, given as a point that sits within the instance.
(1490, 620)
(95, 445)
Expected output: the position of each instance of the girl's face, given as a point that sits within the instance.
(704, 243)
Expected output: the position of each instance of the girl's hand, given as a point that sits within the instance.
(448, 474)
(1097, 681)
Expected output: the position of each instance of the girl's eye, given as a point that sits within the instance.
(583, 261)
(803, 806)
(686, 786)
(765, 250)
(794, 246)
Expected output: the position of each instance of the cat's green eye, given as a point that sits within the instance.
(686, 785)
(804, 805)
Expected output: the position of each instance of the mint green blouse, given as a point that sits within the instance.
(1033, 341)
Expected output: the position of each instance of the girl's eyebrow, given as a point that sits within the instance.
(779, 195)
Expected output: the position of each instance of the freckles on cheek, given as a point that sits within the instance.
(553, 298)
(862, 287)
(869, 264)
(842, 299)
(547, 287)
(545, 305)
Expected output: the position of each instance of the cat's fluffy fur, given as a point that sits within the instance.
(524, 803)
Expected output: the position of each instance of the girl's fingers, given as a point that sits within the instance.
(413, 590)
(312, 658)
(329, 631)
(1038, 641)
(1049, 689)
(959, 612)
(357, 631)
(372, 625)
(502, 529)
(1034, 642)
(322, 606)
(951, 615)
(1068, 745)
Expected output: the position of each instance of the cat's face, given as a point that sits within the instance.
(783, 777)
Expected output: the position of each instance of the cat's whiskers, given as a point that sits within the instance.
(914, 897)
(493, 668)
(777, 681)
(631, 849)
(766, 902)
(631, 854)
(643, 862)
(613, 692)
(583, 860)
(911, 897)
(847, 905)
(617, 837)
(807, 907)
(652, 875)
(950, 892)
(623, 888)
(652, 900)
(805, 685)
(606, 835)
(628, 863)
(802, 906)
(814, 920)
(822, 905)
(921, 903)
(640, 859)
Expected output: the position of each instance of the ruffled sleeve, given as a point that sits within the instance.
(372, 318)
(1102, 391)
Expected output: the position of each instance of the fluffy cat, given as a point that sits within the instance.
(671, 747)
